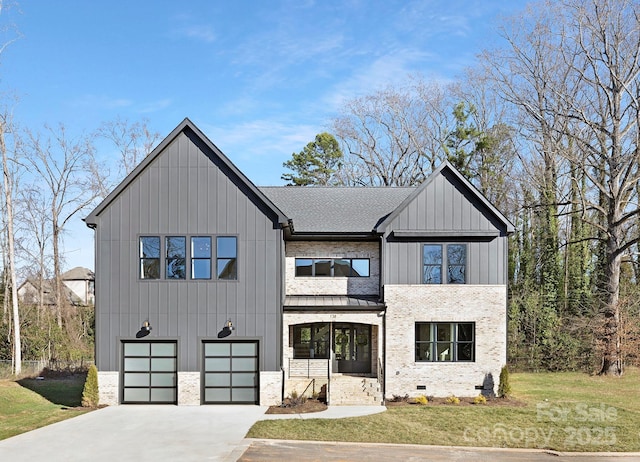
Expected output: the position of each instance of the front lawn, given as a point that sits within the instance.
(37, 403)
(561, 411)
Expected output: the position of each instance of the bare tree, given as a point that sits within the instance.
(573, 69)
(62, 165)
(9, 176)
(36, 222)
(394, 137)
(133, 141)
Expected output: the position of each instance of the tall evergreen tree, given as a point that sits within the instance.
(316, 164)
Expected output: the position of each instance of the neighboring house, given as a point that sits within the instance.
(81, 282)
(212, 290)
(78, 288)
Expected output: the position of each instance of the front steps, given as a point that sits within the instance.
(348, 390)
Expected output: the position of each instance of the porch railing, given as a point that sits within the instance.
(308, 368)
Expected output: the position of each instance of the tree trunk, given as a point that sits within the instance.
(612, 357)
(17, 347)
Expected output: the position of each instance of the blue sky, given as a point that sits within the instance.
(260, 78)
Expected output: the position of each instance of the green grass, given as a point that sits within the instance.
(560, 411)
(30, 404)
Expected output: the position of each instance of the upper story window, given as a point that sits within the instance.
(201, 257)
(227, 257)
(445, 341)
(177, 255)
(149, 257)
(444, 263)
(176, 248)
(332, 267)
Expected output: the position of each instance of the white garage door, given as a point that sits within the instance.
(149, 372)
(230, 372)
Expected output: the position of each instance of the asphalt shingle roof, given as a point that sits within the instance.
(335, 209)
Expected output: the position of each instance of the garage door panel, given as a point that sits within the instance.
(217, 349)
(136, 380)
(243, 380)
(137, 395)
(163, 380)
(243, 394)
(137, 349)
(163, 395)
(163, 364)
(217, 364)
(222, 395)
(137, 365)
(217, 380)
(244, 349)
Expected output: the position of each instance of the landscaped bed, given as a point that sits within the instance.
(561, 411)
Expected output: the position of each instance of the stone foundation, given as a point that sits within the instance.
(188, 388)
(108, 387)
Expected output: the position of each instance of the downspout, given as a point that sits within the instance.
(384, 318)
(283, 295)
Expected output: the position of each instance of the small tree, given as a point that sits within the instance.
(90, 396)
(504, 388)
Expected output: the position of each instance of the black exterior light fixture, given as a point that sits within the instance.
(226, 330)
(144, 330)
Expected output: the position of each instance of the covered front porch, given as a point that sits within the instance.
(333, 347)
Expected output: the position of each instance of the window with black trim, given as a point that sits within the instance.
(444, 263)
(201, 257)
(227, 257)
(176, 254)
(445, 342)
(149, 257)
(333, 267)
(193, 262)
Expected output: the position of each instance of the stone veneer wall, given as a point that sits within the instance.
(327, 285)
(108, 387)
(408, 304)
(188, 388)
(270, 388)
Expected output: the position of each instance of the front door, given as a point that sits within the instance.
(352, 348)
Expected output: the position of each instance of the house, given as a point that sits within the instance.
(78, 288)
(211, 290)
(81, 282)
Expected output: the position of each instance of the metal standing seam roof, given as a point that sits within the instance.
(332, 209)
(336, 302)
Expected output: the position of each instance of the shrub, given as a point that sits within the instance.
(422, 400)
(452, 400)
(504, 388)
(294, 400)
(480, 399)
(399, 399)
(90, 395)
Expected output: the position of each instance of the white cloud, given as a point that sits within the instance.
(201, 33)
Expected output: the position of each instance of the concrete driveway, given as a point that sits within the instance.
(139, 433)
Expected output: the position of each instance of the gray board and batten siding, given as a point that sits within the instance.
(187, 187)
(446, 208)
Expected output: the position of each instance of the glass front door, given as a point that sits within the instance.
(352, 348)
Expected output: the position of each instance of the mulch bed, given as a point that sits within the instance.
(463, 402)
(311, 405)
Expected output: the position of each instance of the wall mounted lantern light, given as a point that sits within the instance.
(144, 330)
(226, 330)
